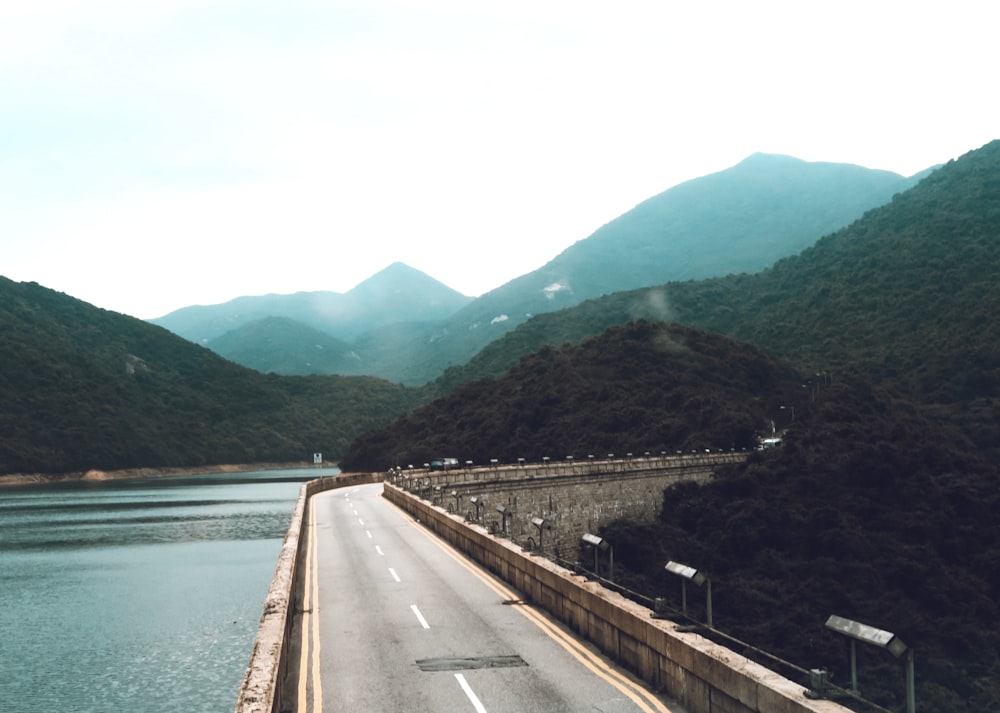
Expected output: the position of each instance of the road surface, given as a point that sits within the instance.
(396, 620)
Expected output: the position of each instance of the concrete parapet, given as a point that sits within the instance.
(703, 676)
(260, 691)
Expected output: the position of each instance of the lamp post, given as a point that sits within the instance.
(478, 504)
(541, 525)
(690, 574)
(598, 544)
(856, 631)
(502, 509)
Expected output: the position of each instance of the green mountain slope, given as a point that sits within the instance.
(281, 345)
(85, 388)
(642, 387)
(407, 328)
(907, 296)
(738, 220)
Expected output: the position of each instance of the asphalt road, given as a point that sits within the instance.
(398, 621)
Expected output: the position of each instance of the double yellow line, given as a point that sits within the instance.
(642, 698)
(309, 664)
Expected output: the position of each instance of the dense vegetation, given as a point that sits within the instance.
(867, 512)
(85, 388)
(644, 386)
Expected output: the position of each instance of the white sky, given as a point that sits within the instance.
(160, 153)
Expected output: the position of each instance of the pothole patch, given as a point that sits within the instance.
(461, 663)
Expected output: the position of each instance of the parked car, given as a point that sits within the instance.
(444, 463)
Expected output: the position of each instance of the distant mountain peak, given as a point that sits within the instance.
(397, 293)
(398, 279)
(763, 157)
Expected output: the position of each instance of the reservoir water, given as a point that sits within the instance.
(137, 595)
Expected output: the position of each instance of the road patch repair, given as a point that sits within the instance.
(457, 663)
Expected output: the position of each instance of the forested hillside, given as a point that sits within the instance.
(641, 387)
(738, 220)
(870, 512)
(906, 296)
(85, 388)
(280, 345)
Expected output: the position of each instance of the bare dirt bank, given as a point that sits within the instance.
(12, 479)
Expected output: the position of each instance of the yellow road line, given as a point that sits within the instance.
(638, 695)
(317, 682)
(310, 624)
(301, 702)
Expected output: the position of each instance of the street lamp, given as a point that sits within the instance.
(478, 504)
(541, 525)
(502, 509)
(690, 574)
(856, 631)
(598, 544)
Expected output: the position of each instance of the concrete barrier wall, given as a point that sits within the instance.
(704, 677)
(260, 691)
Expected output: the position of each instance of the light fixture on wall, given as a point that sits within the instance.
(856, 631)
(599, 544)
(690, 574)
(541, 525)
(504, 514)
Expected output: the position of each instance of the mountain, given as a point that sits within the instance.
(404, 327)
(738, 220)
(84, 388)
(396, 294)
(907, 296)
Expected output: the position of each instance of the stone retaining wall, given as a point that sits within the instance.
(572, 497)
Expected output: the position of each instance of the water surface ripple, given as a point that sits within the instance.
(136, 595)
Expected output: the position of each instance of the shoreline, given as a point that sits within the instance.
(96, 475)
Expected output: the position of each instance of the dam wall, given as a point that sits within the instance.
(571, 497)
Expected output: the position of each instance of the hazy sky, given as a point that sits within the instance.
(160, 153)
